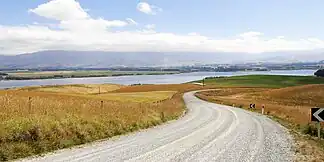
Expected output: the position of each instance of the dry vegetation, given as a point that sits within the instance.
(291, 103)
(38, 120)
(165, 87)
(77, 89)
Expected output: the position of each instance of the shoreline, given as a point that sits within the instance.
(12, 78)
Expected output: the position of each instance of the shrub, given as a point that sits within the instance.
(319, 73)
(311, 129)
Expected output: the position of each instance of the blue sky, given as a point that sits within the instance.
(216, 23)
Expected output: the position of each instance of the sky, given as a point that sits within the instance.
(249, 26)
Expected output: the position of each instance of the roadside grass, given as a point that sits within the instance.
(265, 81)
(56, 120)
(289, 106)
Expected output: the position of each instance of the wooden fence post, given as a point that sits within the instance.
(319, 130)
(101, 105)
(29, 104)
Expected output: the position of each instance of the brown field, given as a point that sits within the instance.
(166, 87)
(78, 89)
(59, 117)
(291, 103)
(308, 95)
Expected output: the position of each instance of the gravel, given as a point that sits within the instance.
(208, 132)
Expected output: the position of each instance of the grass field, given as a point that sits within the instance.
(77, 89)
(265, 81)
(41, 119)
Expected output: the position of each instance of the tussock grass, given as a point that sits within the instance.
(51, 121)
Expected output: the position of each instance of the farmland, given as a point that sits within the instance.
(29, 75)
(35, 120)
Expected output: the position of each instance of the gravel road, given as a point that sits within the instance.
(208, 132)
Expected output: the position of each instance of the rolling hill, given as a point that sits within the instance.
(97, 59)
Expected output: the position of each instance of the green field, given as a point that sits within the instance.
(267, 81)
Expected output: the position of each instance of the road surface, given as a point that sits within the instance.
(208, 132)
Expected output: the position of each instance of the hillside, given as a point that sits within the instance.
(311, 95)
(97, 59)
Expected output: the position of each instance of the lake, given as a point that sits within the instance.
(146, 79)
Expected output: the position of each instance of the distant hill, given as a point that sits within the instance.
(97, 59)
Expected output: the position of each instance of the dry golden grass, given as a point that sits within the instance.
(308, 95)
(166, 87)
(291, 103)
(77, 89)
(153, 96)
(92, 91)
(54, 120)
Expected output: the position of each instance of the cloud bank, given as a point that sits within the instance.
(75, 29)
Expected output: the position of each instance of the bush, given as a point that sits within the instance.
(319, 73)
(311, 129)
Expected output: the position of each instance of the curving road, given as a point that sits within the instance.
(209, 132)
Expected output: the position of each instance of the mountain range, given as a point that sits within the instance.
(98, 59)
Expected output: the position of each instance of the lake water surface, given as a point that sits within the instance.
(146, 79)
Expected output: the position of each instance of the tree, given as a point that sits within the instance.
(3, 74)
(320, 73)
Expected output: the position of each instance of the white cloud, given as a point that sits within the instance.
(150, 26)
(131, 21)
(61, 10)
(148, 9)
(72, 16)
(77, 30)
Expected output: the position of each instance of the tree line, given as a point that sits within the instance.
(320, 73)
